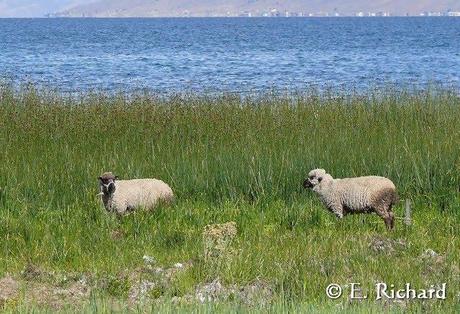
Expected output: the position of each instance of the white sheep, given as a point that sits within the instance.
(122, 196)
(354, 195)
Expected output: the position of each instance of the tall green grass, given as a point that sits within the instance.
(226, 148)
(227, 158)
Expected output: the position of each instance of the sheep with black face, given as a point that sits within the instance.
(122, 196)
(371, 194)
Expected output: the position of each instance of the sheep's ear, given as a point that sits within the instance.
(116, 178)
(100, 178)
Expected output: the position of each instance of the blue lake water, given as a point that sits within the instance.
(230, 54)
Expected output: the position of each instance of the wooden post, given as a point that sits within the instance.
(407, 217)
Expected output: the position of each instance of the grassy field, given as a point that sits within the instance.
(227, 158)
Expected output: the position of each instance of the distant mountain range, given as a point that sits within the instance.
(166, 8)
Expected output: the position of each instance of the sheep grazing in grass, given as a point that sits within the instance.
(354, 195)
(122, 196)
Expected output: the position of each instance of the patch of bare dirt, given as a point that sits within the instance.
(151, 282)
(431, 262)
(55, 290)
(431, 256)
(9, 291)
(258, 292)
(57, 297)
(380, 244)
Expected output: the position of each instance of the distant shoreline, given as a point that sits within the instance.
(223, 17)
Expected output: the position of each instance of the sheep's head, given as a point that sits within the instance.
(107, 183)
(316, 178)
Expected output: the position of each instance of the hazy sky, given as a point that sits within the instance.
(33, 8)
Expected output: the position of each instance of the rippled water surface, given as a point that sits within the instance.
(224, 54)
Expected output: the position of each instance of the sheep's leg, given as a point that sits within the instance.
(334, 207)
(337, 210)
(338, 215)
(392, 218)
(387, 216)
(389, 221)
